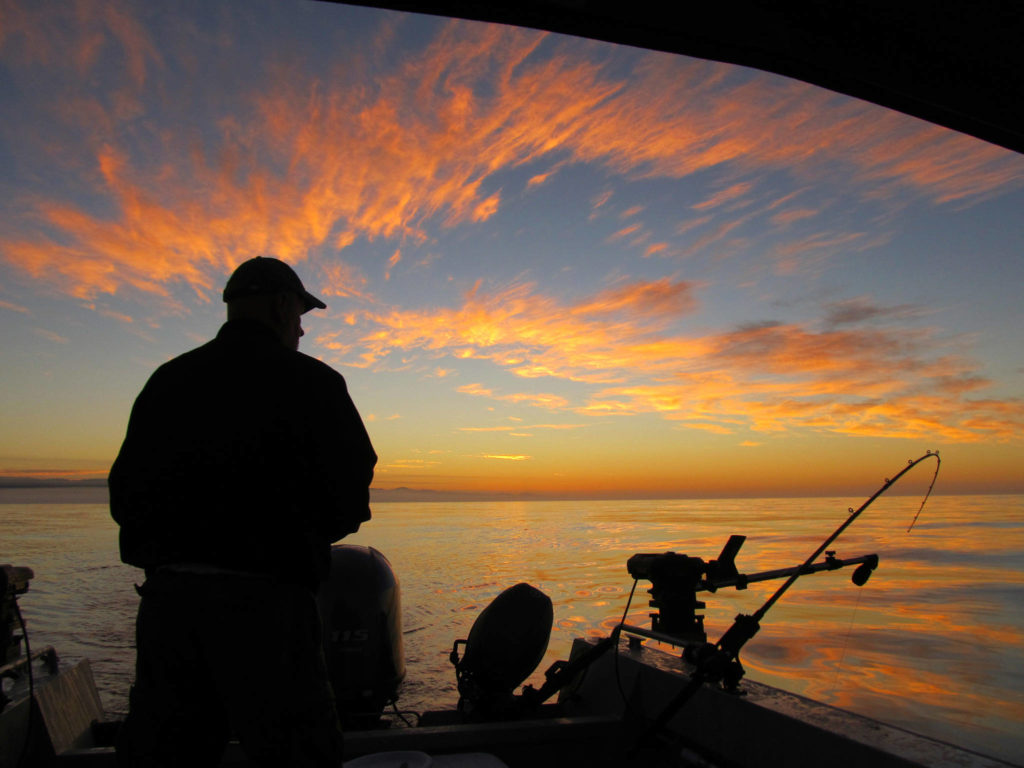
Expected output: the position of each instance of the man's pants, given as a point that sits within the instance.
(227, 655)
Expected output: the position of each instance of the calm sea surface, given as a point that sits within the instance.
(934, 642)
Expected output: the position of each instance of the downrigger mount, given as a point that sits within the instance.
(676, 579)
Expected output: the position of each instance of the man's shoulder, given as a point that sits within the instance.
(317, 369)
(218, 353)
(184, 361)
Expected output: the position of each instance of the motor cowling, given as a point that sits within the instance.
(506, 643)
(360, 604)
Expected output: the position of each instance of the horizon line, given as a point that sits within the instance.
(407, 494)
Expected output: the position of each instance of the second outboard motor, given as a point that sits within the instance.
(361, 607)
(506, 643)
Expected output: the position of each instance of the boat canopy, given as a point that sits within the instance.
(956, 63)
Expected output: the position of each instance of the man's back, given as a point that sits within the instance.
(245, 455)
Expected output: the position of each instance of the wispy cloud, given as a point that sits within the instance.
(521, 427)
(632, 229)
(56, 338)
(304, 160)
(861, 371)
(395, 258)
(338, 278)
(533, 335)
(540, 400)
(786, 217)
(14, 307)
(725, 196)
(863, 309)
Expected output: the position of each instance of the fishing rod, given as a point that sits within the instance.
(714, 662)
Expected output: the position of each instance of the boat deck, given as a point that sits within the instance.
(602, 719)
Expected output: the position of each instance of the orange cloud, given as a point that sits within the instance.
(594, 340)
(540, 400)
(725, 196)
(720, 233)
(14, 307)
(853, 375)
(625, 232)
(305, 160)
(658, 298)
(785, 218)
(73, 36)
(487, 208)
(395, 258)
(602, 199)
(56, 338)
(339, 278)
(539, 179)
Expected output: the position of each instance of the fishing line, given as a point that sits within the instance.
(889, 482)
(727, 649)
(938, 462)
(615, 633)
(401, 713)
(846, 643)
(629, 601)
(856, 608)
(628, 707)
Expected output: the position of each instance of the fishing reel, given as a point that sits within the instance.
(676, 579)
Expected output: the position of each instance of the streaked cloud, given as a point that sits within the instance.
(725, 196)
(504, 224)
(540, 400)
(787, 217)
(305, 158)
(56, 338)
(862, 309)
(338, 278)
(14, 307)
(632, 229)
(533, 335)
(855, 374)
(519, 427)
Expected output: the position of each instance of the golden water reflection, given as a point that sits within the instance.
(933, 642)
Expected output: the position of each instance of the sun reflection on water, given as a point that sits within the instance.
(932, 642)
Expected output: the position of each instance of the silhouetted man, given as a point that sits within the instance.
(243, 461)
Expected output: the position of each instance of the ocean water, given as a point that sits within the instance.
(934, 642)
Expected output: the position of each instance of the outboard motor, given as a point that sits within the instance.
(361, 607)
(506, 643)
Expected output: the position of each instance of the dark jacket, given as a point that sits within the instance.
(242, 454)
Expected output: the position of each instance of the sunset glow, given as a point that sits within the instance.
(551, 265)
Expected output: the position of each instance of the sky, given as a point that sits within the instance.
(552, 266)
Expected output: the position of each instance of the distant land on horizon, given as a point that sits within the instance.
(29, 481)
(29, 489)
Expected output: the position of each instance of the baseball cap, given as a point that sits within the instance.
(264, 274)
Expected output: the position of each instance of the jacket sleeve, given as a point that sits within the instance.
(132, 491)
(344, 460)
